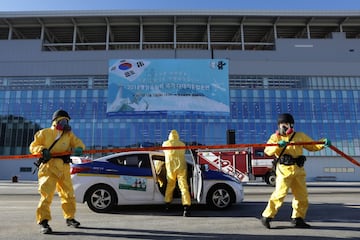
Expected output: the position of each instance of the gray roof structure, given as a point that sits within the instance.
(161, 29)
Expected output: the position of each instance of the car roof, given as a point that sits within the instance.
(129, 153)
(188, 156)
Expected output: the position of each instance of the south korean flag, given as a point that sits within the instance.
(129, 69)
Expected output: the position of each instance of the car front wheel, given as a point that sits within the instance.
(101, 198)
(270, 178)
(220, 197)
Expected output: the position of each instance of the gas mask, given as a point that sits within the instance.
(284, 130)
(63, 125)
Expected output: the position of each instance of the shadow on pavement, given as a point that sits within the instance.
(159, 234)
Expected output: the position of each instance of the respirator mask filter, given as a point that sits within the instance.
(63, 125)
(285, 130)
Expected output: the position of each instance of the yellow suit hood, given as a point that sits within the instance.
(173, 135)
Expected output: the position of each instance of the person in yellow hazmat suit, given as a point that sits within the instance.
(290, 172)
(54, 171)
(176, 169)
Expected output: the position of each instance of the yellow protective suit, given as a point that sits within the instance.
(55, 174)
(160, 171)
(176, 169)
(289, 177)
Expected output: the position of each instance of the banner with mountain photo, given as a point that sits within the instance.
(168, 85)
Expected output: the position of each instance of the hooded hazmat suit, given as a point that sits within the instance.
(289, 176)
(176, 169)
(55, 174)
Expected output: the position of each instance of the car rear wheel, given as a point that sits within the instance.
(220, 197)
(101, 198)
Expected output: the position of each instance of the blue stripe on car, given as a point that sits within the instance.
(215, 175)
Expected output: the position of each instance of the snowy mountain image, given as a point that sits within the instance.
(168, 103)
(139, 85)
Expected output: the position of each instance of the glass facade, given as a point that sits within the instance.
(322, 107)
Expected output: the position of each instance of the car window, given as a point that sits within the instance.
(144, 161)
(190, 157)
(159, 158)
(118, 160)
(137, 160)
(159, 163)
(132, 161)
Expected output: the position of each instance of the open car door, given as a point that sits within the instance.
(196, 180)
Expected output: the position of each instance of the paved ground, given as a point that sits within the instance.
(334, 213)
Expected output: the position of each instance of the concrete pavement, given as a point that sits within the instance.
(334, 213)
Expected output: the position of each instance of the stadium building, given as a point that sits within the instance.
(304, 63)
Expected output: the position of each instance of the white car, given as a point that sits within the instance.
(138, 178)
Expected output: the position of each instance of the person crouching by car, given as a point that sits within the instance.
(54, 171)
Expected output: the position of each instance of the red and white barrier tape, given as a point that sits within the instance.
(195, 147)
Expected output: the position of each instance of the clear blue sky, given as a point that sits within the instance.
(39, 5)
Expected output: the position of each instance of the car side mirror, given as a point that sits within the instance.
(204, 167)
